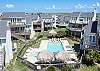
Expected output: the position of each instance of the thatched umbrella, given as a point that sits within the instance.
(45, 56)
(52, 32)
(63, 56)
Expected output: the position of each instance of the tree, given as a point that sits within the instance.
(92, 56)
(61, 33)
(39, 36)
(67, 68)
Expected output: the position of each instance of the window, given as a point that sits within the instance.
(13, 20)
(0, 41)
(93, 38)
(81, 19)
(76, 18)
(87, 18)
(20, 20)
(28, 26)
(3, 40)
(91, 18)
(90, 38)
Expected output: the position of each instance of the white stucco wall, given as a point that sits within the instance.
(8, 47)
(32, 32)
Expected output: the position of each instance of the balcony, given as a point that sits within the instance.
(38, 28)
(37, 23)
(48, 21)
(17, 24)
(92, 44)
(75, 29)
(72, 21)
(79, 22)
(48, 25)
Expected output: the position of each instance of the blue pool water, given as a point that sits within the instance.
(55, 47)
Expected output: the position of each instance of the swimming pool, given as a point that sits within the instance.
(55, 47)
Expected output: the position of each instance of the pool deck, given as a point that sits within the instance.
(31, 53)
(43, 45)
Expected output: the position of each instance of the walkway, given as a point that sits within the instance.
(18, 37)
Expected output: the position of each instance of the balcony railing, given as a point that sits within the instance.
(17, 24)
(48, 26)
(37, 28)
(75, 29)
(37, 23)
(79, 22)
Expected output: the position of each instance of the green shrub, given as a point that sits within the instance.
(51, 68)
(89, 68)
(67, 68)
(91, 56)
(61, 33)
(39, 36)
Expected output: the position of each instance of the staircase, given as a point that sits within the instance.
(17, 37)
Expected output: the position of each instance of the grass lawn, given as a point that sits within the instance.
(18, 67)
(21, 67)
(89, 68)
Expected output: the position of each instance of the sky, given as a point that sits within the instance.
(49, 5)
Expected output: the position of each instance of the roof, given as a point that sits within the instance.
(86, 14)
(13, 14)
(45, 56)
(46, 16)
(67, 18)
(30, 18)
(3, 28)
(75, 14)
(82, 14)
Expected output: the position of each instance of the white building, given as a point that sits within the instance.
(90, 37)
(16, 20)
(5, 41)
